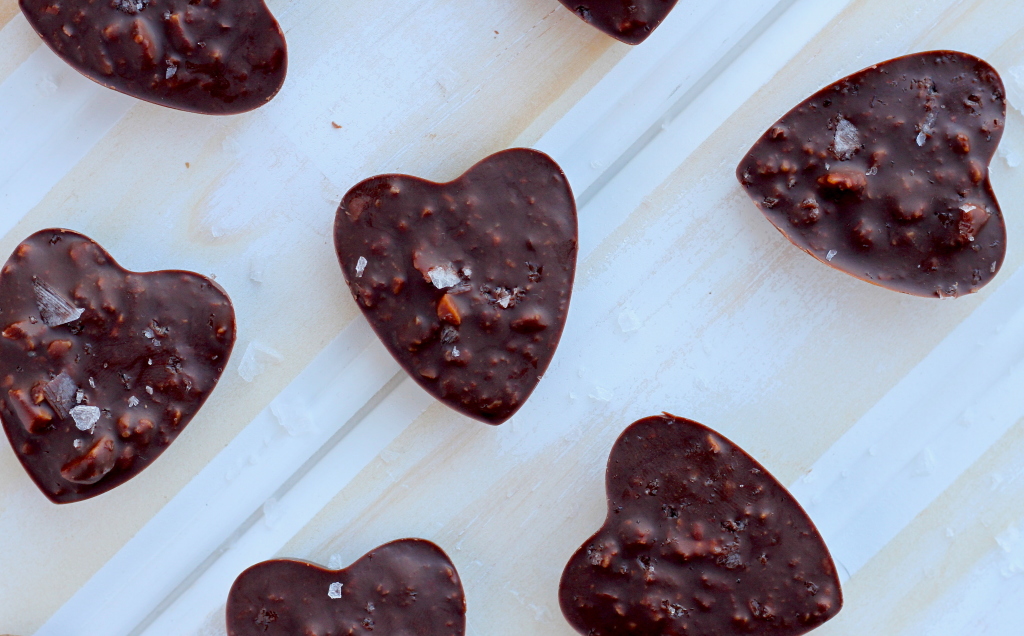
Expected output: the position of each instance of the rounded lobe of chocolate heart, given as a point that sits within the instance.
(407, 587)
(629, 21)
(467, 283)
(699, 539)
(101, 368)
(202, 56)
(884, 174)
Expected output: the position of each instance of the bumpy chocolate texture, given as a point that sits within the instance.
(217, 57)
(101, 368)
(467, 283)
(629, 21)
(884, 174)
(700, 539)
(407, 587)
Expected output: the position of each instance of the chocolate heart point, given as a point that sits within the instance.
(629, 21)
(884, 174)
(101, 368)
(409, 586)
(699, 539)
(467, 283)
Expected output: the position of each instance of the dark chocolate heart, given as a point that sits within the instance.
(629, 21)
(203, 56)
(699, 539)
(467, 283)
(884, 174)
(407, 587)
(101, 368)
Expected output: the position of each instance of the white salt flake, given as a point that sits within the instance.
(148, 333)
(172, 68)
(334, 591)
(85, 417)
(467, 272)
(361, 267)
(847, 140)
(444, 276)
(831, 254)
(92, 383)
(149, 389)
(292, 416)
(54, 309)
(78, 443)
(132, 401)
(926, 129)
(455, 352)
(79, 396)
(601, 394)
(628, 321)
(255, 360)
(335, 562)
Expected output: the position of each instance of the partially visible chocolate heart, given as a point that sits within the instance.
(629, 21)
(203, 56)
(467, 283)
(101, 368)
(699, 539)
(884, 174)
(407, 587)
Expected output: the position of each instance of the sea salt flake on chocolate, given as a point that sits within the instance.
(334, 590)
(831, 254)
(132, 401)
(847, 140)
(60, 394)
(54, 309)
(360, 266)
(444, 276)
(172, 69)
(85, 417)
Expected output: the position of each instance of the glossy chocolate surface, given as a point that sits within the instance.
(89, 403)
(217, 57)
(699, 539)
(629, 21)
(407, 587)
(884, 174)
(467, 283)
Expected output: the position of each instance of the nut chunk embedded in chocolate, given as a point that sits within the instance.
(699, 539)
(884, 174)
(467, 283)
(408, 586)
(203, 56)
(629, 21)
(101, 368)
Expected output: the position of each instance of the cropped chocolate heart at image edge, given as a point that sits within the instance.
(699, 539)
(101, 368)
(884, 174)
(467, 283)
(202, 56)
(405, 587)
(629, 21)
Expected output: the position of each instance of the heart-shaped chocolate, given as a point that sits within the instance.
(884, 174)
(629, 21)
(467, 283)
(699, 539)
(203, 56)
(407, 587)
(101, 368)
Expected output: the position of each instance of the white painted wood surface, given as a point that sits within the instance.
(898, 421)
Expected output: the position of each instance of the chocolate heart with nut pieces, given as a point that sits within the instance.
(101, 368)
(403, 588)
(699, 539)
(202, 56)
(467, 283)
(884, 174)
(629, 21)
